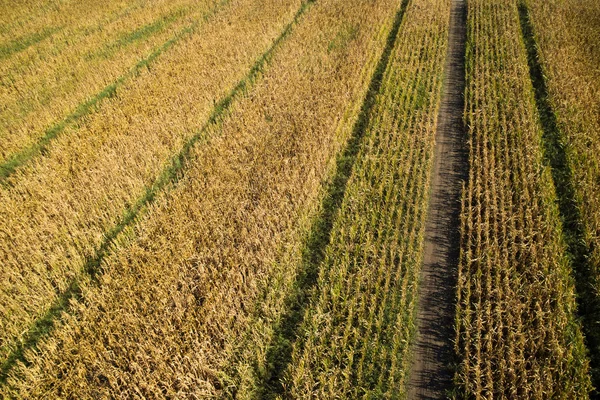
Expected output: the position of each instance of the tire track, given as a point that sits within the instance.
(431, 372)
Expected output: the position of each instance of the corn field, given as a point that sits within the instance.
(517, 334)
(232, 198)
(566, 35)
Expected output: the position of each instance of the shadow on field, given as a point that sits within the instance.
(579, 252)
(280, 349)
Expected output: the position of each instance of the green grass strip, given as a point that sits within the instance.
(169, 175)
(23, 43)
(40, 147)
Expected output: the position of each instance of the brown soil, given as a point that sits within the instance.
(433, 356)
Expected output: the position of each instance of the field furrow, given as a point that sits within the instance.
(50, 86)
(517, 331)
(564, 63)
(355, 341)
(180, 290)
(60, 212)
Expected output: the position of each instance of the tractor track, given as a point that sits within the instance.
(431, 373)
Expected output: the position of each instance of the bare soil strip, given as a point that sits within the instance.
(431, 372)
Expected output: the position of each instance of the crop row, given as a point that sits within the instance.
(23, 20)
(179, 291)
(566, 38)
(517, 333)
(42, 85)
(356, 339)
(58, 210)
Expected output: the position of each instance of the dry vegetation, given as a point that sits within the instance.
(26, 21)
(517, 334)
(57, 210)
(48, 85)
(180, 290)
(567, 33)
(227, 198)
(356, 338)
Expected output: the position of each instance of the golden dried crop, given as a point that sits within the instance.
(43, 86)
(567, 39)
(181, 290)
(517, 334)
(227, 198)
(57, 211)
(27, 22)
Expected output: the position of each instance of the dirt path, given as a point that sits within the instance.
(431, 373)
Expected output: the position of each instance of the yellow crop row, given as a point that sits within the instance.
(517, 334)
(567, 33)
(27, 22)
(44, 84)
(179, 293)
(57, 210)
